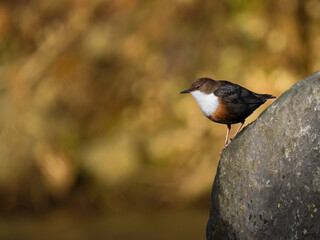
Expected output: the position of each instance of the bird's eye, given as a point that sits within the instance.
(197, 87)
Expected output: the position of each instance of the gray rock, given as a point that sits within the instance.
(268, 180)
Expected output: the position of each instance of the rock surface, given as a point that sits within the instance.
(268, 180)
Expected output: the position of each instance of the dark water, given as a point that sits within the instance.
(160, 225)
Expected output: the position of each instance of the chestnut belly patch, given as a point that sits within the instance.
(221, 115)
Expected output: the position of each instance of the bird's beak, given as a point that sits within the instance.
(185, 91)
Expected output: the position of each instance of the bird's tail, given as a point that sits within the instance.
(265, 97)
(268, 96)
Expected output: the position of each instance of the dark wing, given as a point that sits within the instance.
(234, 93)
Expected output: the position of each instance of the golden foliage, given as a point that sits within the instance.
(90, 90)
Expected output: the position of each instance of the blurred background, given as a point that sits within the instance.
(95, 139)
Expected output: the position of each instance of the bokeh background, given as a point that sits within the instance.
(95, 140)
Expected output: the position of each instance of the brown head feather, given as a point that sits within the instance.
(206, 85)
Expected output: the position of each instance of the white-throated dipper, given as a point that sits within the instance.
(225, 102)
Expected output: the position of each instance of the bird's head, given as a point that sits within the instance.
(201, 84)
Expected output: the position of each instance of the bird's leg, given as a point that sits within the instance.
(226, 143)
(241, 125)
(227, 137)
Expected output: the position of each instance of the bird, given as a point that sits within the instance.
(225, 102)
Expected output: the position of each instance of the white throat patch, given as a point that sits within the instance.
(208, 103)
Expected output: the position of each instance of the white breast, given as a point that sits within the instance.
(208, 103)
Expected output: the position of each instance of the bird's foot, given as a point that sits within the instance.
(225, 146)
